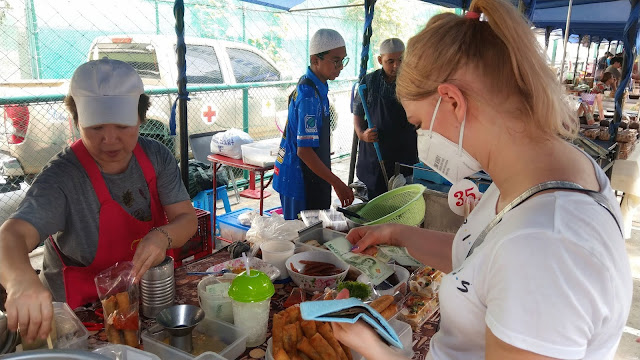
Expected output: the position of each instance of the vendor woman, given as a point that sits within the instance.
(111, 196)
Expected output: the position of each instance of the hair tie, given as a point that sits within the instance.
(472, 15)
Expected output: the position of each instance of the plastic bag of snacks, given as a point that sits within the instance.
(120, 297)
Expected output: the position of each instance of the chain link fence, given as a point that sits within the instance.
(243, 61)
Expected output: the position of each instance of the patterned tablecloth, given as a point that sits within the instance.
(187, 293)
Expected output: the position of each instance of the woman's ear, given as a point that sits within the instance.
(452, 95)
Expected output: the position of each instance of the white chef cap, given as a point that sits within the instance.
(391, 45)
(106, 92)
(325, 40)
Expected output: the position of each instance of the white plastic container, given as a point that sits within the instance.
(124, 352)
(210, 356)
(215, 306)
(235, 341)
(261, 153)
(319, 235)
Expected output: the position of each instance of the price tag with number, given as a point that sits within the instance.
(461, 191)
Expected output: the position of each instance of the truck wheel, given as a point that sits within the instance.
(156, 130)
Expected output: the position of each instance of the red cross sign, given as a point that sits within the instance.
(209, 114)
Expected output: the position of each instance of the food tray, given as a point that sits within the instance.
(320, 235)
(228, 334)
(237, 266)
(402, 329)
(124, 352)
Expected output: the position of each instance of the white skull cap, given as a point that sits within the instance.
(391, 45)
(325, 40)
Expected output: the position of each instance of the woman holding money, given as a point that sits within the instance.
(550, 281)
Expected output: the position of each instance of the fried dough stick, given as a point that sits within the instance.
(327, 333)
(124, 308)
(109, 307)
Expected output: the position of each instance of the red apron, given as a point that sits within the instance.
(118, 231)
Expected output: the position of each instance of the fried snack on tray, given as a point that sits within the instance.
(297, 339)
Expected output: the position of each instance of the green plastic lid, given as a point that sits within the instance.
(255, 287)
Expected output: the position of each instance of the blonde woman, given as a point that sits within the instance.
(552, 279)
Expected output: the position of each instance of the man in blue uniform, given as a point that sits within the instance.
(303, 174)
(396, 136)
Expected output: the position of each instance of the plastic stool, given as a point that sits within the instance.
(221, 194)
(204, 199)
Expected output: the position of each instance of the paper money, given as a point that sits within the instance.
(399, 254)
(375, 269)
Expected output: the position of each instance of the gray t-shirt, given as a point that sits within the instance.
(62, 201)
(615, 72)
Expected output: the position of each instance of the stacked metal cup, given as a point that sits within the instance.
(158, 288)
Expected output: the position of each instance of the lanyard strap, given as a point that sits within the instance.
(549, 185)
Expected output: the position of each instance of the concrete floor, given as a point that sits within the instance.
(628, 349)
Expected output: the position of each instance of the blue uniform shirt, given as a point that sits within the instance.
(304, 123)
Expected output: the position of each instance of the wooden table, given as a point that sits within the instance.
(187, 293)
(217, 161)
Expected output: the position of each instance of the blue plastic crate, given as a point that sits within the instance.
(228, 224)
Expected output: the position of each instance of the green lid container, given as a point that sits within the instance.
(255, 287)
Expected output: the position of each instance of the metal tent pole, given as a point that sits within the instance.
(181, 49)
(575, 65)
(566, 40)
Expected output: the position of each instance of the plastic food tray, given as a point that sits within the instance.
(67, 322)
(320, 235)
(124, 352)
(236, 342)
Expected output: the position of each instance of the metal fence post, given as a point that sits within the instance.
(245, 118)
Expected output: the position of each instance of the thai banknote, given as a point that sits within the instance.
(375, 269)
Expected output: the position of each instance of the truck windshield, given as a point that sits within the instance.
(141, 56)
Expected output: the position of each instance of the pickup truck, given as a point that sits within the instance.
(32, 133)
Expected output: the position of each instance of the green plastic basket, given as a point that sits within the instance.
(404, 205)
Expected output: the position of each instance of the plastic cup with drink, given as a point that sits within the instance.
(250, 294)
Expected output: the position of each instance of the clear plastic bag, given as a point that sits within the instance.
(120, 296)
(274, 227)
(229, 143)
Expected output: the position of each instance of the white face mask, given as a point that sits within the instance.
(442, 155)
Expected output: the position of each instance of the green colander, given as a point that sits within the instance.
(404, 205)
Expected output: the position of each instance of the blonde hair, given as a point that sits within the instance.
(505, 58)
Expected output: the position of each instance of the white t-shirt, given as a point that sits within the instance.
(552, 278)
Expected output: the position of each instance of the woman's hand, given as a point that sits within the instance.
(151, 251)
(361, 337)
(29, 308)
(365, 238)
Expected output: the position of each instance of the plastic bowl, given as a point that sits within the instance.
(316, 283)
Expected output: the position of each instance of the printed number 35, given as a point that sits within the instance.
(460, 196)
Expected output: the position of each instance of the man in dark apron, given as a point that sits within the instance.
(396, 136)
(303, 176)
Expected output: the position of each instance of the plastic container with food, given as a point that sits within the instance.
(425, 281)
(417, 309)
(69, 332)
(213, 295)
(209, 336)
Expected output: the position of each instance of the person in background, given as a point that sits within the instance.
(302, 174)
(552, 280)
(111, 196)
(614, 69)
(605, 84)
(602, 64)
(396, 136)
